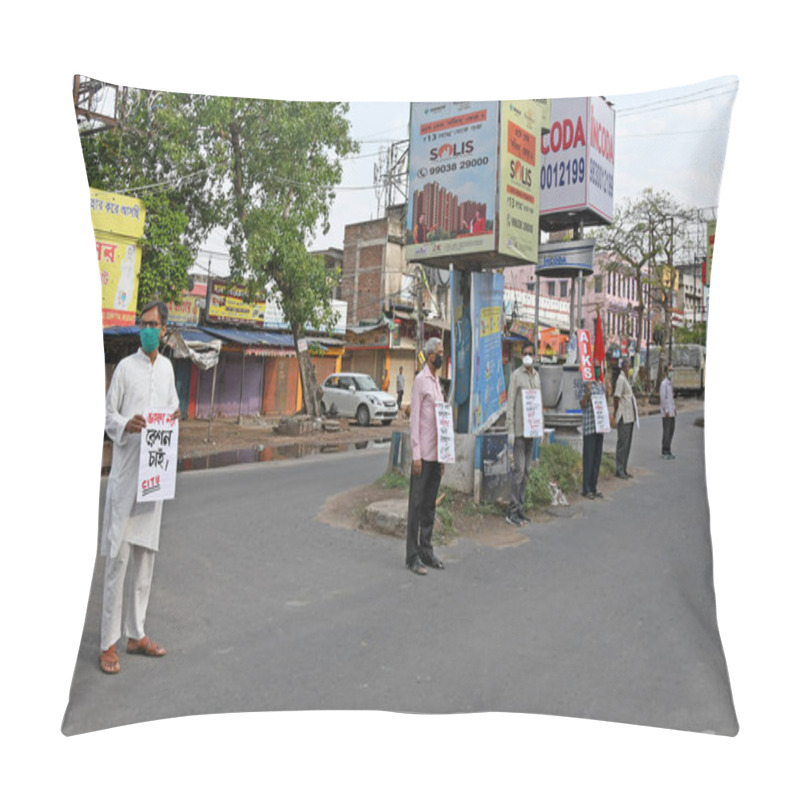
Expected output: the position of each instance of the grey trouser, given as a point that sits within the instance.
(624, 439)
(523, 450)
(668, 429)
(422, 511)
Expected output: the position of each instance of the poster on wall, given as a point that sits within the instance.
(118, 223)
(518, 206)
(452, 179)
(488, 395)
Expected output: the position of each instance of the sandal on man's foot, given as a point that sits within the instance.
(145, 647)
(109, 660)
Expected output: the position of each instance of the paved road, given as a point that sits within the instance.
(607, 615)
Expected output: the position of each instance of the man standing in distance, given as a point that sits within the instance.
(401, 385)
(426, 470)
(130, 529)
(524, 377)
(668, 412)
(623, 418)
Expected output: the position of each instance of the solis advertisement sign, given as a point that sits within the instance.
(577, 171)
(452, 179)
(518, 212)
(118, 223)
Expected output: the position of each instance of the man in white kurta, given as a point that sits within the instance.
(131, 529)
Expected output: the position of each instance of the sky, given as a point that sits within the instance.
(672, 139)
(52, 399)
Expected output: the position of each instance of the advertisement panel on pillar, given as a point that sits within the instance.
(488, 396)
(452, 179)
(518, 209)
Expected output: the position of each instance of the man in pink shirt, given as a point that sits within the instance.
(426, 470)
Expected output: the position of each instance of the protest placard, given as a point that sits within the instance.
(585, 355)
(532, 414)
(602, 422)
(445, 435)
(158, 456)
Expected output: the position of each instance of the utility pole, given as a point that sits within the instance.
(420, 314)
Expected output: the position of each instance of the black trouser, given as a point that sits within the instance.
(667, 431)
(592, 455)
(399, 397)
(624, 439)
(422, 511)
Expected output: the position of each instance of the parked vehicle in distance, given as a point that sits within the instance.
(689, 366)
(354, 394)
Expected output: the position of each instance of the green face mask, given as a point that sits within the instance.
(149, 338)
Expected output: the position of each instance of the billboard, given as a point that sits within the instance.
(228, 303)
(118, 223)
(577, 168)
(452, 179)
(518, 208)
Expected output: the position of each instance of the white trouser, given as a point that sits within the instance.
(133, 593)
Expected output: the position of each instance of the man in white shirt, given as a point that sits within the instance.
(668, 412)
(623, 419)
(131, 529)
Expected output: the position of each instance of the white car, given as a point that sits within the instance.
(354, 394)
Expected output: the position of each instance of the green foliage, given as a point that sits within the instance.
(608, 465)
(559, 464)
(274, 166)
(394, 480)
(537, 492)
(166, 260)
(562, 465)
(446, 515)
(695, 335)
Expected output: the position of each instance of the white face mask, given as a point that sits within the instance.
(527, 360)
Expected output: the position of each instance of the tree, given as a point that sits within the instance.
(152, 154)
(273, 166)
(644, 239)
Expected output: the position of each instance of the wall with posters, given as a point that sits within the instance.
(118, 223)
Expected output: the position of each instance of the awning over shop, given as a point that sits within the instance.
(196, 345)
(251, 338)
(121, 330)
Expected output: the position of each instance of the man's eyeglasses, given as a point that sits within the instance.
(151, 323)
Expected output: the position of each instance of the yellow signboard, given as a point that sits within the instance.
(518, 209)
(118, 223)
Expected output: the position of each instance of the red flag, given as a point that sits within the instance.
(599, 347)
